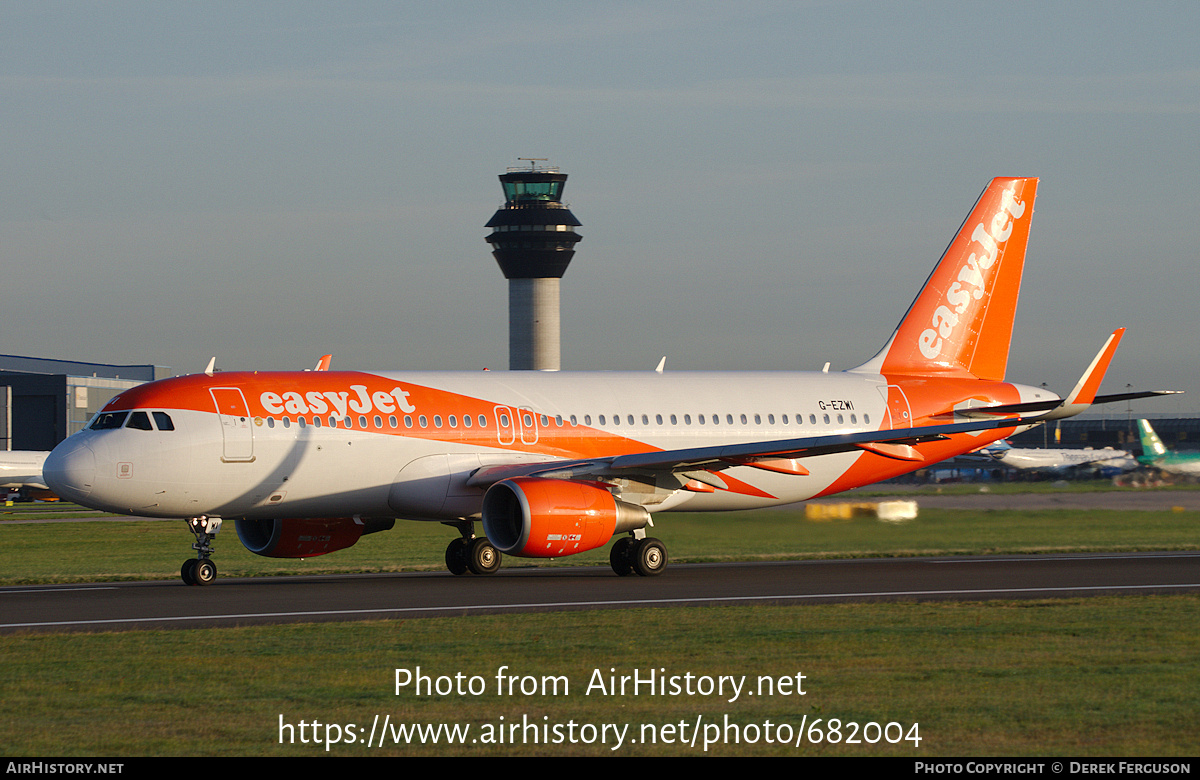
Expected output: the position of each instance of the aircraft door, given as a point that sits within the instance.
(237, 431)
(506, 427)
(529, 429)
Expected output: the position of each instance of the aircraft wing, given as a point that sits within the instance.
(775, 455)
(784, 455)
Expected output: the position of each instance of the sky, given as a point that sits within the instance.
(762, 185)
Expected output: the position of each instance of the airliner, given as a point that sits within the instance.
(1156, 455)
(22, 468)
(557, 463)
(1107, 460)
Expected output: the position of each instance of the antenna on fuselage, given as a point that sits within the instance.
(212, 364)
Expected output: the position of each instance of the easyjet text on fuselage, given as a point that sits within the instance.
(358, 400)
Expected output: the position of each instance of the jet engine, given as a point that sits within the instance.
(305, 537)
(532, 517)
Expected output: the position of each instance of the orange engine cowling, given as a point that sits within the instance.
(531, 517)
(305, 537)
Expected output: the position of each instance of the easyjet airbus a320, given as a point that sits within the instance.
(556, 463)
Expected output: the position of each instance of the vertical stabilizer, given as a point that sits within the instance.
(1152, 446)
(961, 322)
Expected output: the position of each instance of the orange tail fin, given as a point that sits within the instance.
(961, 322)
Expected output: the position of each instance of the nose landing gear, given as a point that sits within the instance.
(201, 570)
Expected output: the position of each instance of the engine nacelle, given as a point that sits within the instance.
(305, 537)
(531, 517)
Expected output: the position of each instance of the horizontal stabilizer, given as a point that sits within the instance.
(1079, 399)
(984, 412)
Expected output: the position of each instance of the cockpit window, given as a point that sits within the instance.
(163, 421)
(139, 420)
(109, 420)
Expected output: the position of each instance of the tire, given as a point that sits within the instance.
(619, 556)
(187, 571)
(649, 557)
(456, 556)
(482, 557)
(205, 571)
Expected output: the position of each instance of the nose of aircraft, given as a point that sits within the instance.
(70, 470)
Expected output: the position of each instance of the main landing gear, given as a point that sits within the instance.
(201, 570)
(472, 553)
(646, 557)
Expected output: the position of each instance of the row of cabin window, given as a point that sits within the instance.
(467, 422)
(348, 422)
(716, 419)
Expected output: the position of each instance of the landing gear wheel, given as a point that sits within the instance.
(201, 570)
(456, 556)
(205, 572)
(619, 556)
(649, 557)
(482, 557)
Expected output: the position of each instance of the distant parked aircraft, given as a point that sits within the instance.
(1156, 455)
(1107, 461)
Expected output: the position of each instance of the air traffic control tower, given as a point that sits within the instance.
(533, 239)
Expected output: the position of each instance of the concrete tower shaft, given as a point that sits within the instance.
(533, 240)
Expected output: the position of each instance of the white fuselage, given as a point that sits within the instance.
(1064, 459)
(22, 468)
(399, 444)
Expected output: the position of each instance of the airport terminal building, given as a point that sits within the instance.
(1120, 433)
(44, 401)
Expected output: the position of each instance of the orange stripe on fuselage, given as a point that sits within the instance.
(353, 394)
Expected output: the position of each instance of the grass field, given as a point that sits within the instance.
(1108, 676)
(1086, 677)
(82, 552)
